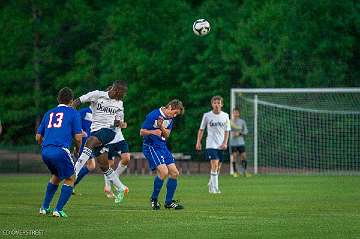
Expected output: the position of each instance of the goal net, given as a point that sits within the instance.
(301, 130)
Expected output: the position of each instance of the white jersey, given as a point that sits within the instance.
(104, 109)
(216, 125)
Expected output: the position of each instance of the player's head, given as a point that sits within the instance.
(174, 108)
(217, 103)
(236, 112)
(65, 96)
(118, 90)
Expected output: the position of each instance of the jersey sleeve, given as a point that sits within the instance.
(228, 123)
(204, 122)
(41, 129)
(76, 124)
(148, 122)
(91, 96)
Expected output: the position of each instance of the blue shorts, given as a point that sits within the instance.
(105, 136)
(115, 149)
(58, 160)
(214, 154)
(157, 156)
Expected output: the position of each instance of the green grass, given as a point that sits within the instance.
(256, 207)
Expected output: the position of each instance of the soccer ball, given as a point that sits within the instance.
(201, 27)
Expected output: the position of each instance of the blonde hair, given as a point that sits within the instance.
(176, 104)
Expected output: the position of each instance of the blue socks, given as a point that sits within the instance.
(158, 182)
(171, 187)
(65, 195)
(49, 194)
(84, 170)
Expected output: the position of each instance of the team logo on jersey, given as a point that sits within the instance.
(106, 109)
(217, 124)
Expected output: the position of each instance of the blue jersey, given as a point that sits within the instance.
(86, 119)
(150, 123)
(59, 125)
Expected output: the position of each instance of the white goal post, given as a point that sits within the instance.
(301, 130)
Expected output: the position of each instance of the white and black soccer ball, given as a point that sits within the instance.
(201, 27)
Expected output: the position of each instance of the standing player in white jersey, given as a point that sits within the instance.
(218, 127)
(107, 110)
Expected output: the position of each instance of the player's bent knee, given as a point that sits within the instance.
(92, 142)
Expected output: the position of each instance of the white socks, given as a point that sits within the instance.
(120, 168)
(107, 182)
(112, 177)
(214, 181)
(84, 157)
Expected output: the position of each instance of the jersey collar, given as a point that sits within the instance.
(162, 113)
(63, 105)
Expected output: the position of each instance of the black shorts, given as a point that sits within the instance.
(105, 136)
(240, 149)
(214, 154)
(115, 149)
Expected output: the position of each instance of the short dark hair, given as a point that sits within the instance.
(236, 109)
(217, 97)
(65, 96)
(120, 84)
(176, 104)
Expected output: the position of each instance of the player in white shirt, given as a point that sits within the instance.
(107, 108)
(218, 127)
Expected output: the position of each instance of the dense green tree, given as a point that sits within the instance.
(87, 44)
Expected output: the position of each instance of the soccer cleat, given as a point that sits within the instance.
(155, 205)
(59, 214)
(247, 174)
(174, 204)
(235, 175)
(108, 192)
(44, 211)
(119, 196)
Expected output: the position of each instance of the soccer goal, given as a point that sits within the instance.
(301, 130)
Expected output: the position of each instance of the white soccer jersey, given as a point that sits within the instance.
(104, 109)
(216, 125)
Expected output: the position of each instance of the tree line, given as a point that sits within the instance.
(88, 44)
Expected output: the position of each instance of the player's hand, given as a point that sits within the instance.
(223, 146)
(198, 146)
(160, 121)
(123, 125)
(76, 153)
(84, 134)
(157, 132)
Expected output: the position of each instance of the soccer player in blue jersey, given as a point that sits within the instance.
(155, 130)
(55, 133)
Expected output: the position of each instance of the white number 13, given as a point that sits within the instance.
(59, 120)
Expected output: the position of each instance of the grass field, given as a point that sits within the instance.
(256, 207)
